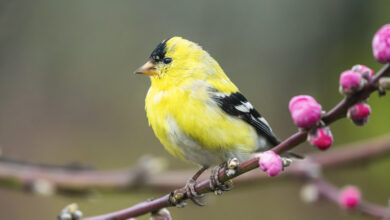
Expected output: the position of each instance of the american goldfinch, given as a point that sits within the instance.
(196, 112)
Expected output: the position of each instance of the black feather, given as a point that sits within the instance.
(158, 53)
(228, 103)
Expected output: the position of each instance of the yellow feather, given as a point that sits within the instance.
(180, 94)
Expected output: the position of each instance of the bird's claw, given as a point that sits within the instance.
(192, 194)
(216, 185)
(177, 197)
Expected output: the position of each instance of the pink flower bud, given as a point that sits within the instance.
(351, 82)
(305, 111)
(321, 137)
(271, 163)
(349, 197)
(381, 44)
(366, 72)
(359, 113)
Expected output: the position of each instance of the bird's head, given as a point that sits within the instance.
(177, 59)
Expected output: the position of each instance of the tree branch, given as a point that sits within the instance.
(334, 114)
(77, 179)
(74, 179)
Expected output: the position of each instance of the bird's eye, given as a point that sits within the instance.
(167, 60)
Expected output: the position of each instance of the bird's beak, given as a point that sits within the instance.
(149, 69)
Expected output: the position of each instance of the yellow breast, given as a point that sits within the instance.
(199, 118)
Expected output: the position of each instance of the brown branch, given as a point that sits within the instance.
(65, 179)
(203, 187)
(78, 179)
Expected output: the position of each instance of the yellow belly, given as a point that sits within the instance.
(191, 126)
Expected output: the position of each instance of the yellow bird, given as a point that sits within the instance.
(196, 112)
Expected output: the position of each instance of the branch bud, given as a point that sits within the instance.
(305, 111)
(351, 82)
(381, 44)
(359, 113)
(366, 72)
(321, 137)
(271, 163)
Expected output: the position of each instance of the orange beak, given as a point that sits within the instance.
(149, 69)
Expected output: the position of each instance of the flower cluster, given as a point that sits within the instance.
(307, 113)
(352, 81)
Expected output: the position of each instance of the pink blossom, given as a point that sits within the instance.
(359, 113)
(305, 111)
(271, 163)
(365, 71)
(350, 82)
(381, 44)
(349, 197)
(321, 137)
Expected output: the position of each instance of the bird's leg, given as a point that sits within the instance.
(190, 187)
(215, 184)
(199, 172)
(177, 196)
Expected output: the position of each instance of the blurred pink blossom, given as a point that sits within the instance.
(349, 197)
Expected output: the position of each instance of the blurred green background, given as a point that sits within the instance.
(67, 92)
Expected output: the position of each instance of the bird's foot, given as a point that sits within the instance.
(215, 184)
(232, 166)
(177, 197)
(192, 194)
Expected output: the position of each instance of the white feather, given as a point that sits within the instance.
(242, 108)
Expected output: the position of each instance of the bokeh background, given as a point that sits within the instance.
(67, 92)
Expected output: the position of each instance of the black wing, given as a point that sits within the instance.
(236, 104)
